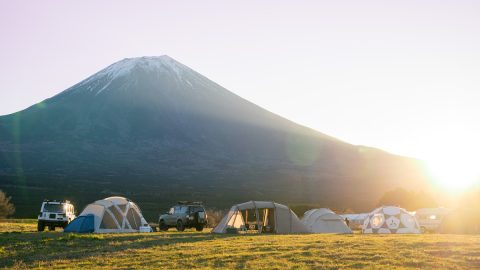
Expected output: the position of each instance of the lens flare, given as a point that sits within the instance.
(455, 174)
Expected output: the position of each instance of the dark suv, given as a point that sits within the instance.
(184, 215)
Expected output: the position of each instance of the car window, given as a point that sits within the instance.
(50, 207)
(177, 209)
(194, 209)
(171, 211)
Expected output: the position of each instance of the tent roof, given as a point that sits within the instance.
(112, 200)
(259, 204)
(322, 213)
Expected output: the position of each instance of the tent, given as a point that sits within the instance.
(110, 215)
(324, 220)
(260, 217)
(82, 224)
(390, 219)
(355, 220)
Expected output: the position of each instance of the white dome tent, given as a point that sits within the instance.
(111, 215)
(324, 220)
(260, 217)
(390, 220)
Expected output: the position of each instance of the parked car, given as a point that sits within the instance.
(55, 214)
(430, 219)
(184, 215)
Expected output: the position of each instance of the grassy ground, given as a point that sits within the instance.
(18, 225)
(172, 250)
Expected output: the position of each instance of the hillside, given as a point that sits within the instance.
(156, 131)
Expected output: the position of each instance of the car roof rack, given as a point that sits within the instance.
(58, 201)
(189, 202)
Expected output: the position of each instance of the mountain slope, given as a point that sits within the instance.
(156, 131)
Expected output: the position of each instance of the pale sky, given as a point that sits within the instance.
(403, 76)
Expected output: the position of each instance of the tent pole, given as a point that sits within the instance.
(275, 216)
(257, 216)
(290, 211)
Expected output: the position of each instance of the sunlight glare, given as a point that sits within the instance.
(455, 174)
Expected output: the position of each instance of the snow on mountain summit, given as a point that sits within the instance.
(101, 80)
(150, 63)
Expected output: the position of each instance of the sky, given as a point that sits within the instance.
(402, 76)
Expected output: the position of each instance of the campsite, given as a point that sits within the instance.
(251, 235)
(190, 249)
(216, 134)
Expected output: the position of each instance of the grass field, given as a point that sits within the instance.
(21, 247)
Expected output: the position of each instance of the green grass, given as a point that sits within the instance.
(18, 225)
(172, 250)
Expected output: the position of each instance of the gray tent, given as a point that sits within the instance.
(260, 217)
(324, 220)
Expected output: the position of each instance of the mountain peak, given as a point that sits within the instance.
(148, 63)
(124, 67)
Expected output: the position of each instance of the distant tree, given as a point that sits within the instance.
(407, 199)
(6, 207)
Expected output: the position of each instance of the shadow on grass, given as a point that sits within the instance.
(33, 247)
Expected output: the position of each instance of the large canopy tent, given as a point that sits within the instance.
(260, 217)
(390, 219)
(110, 215)
(324, 220)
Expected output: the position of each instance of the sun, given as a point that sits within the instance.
(455, 172)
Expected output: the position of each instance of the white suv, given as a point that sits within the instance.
(55, 214)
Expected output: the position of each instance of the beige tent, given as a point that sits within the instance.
(260, 217)
(324, 220)
(110, 215)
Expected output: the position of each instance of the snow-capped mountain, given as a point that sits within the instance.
(153, 129)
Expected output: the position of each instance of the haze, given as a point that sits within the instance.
(401, 76)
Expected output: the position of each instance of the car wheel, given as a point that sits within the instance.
(180, 226)
(40, 226)
(199, 228)
(163, 226)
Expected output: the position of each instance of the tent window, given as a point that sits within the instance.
(118, 216)
(107, 222)
(122, 207)
(133, 218)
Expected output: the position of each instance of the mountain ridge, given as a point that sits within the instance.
(151, 128)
